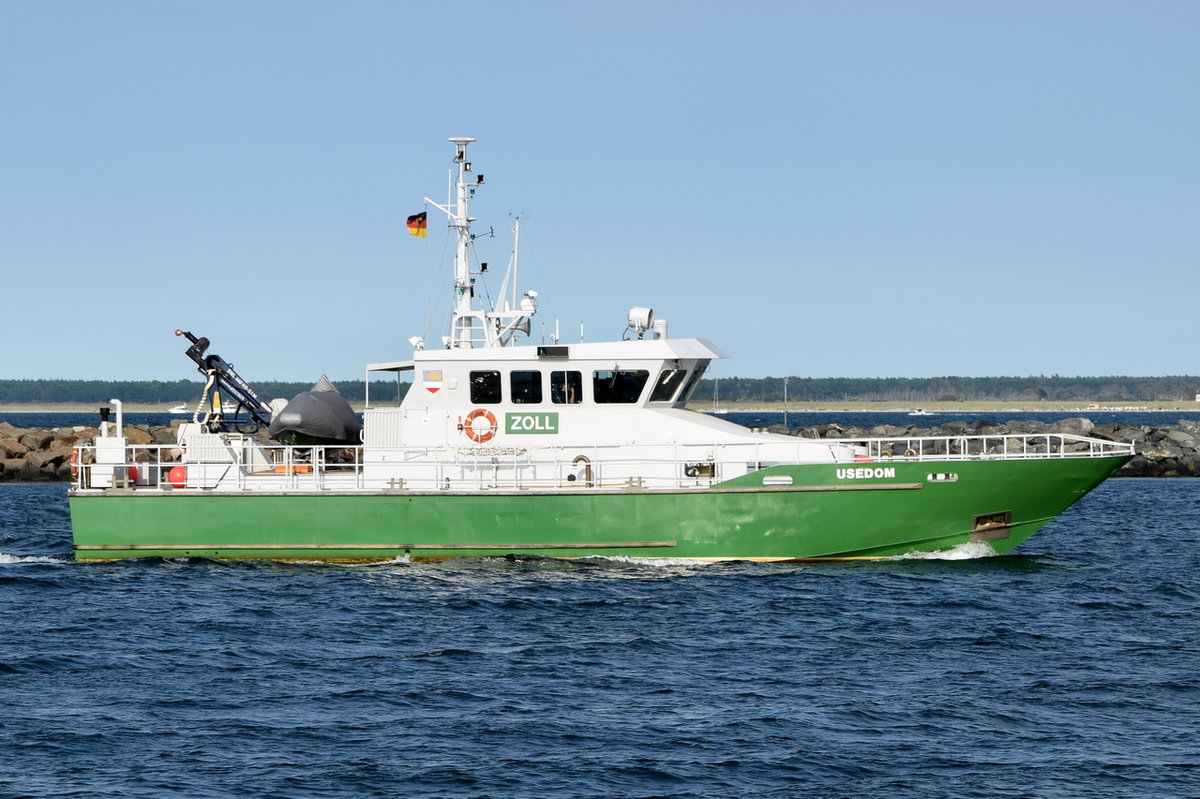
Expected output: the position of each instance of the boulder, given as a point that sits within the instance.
(12, 448)
(1189, 426)
(46, 457)
(1170, 467)
(892, 431)
(1183, 439)
(1078, 426)
(27, 473)
(1130, 434)
(1140, 466)
(137, 436)
(1013, 445)
(65, 444)
(36, 439)
(1161, 451)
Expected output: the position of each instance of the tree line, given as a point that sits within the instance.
(913, 390)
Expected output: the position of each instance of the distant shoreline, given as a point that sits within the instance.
(79, 407)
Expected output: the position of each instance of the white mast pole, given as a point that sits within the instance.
(496, 327)
(463, 321)
(516, 258)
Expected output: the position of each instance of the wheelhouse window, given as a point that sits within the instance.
(701, 367)
(566, 388)
(485, 387)
(525, 387)
(618, 385)
(667, 384)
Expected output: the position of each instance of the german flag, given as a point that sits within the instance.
(416, 225)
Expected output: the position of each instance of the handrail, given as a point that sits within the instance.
(287, 468)
(1010, 446)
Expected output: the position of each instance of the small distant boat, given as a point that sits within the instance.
(716, 408)
(180, 408)
(921, 412)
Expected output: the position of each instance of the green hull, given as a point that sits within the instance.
(828, 511)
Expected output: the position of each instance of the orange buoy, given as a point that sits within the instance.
(480, 435)
(177, 476)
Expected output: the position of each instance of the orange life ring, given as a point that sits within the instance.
(480, 436)
(74, 463)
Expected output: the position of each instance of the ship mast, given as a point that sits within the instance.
(472, 326)
(462, 320)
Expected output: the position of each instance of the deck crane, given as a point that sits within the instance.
(221, 379)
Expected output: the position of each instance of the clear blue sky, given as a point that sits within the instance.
(821, 188)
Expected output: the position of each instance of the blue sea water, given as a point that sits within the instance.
(1066, 670)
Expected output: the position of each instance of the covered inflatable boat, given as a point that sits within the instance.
(320, 415)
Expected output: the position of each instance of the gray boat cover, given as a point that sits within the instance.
(320, 415)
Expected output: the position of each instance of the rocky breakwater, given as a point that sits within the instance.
(33, 454)
(1162, 451)
(36, 454)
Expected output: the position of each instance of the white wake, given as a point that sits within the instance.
(6, 558)
(970, 551)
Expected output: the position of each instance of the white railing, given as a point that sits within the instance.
(278, 468)
(1020, 446)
